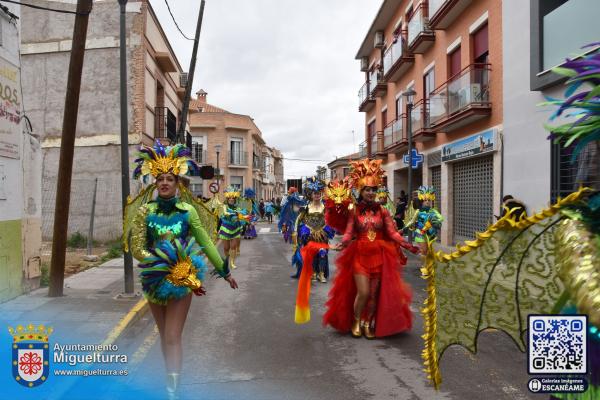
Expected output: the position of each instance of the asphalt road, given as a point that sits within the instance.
(244, 344)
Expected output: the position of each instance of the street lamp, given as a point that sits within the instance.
(409, 94)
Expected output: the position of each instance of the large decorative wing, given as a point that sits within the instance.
(216, 206)
(246, 205)
(410, 216)
(131, 210)
(495, 281)
(289, 213)
(208, 217)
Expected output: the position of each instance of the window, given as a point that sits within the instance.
(398, 107)
(235, 149)
(198, 149)
(428, 82)
(454, 62)
(559, 29)
(384, 117)
(567, 175)
(196, 189)
(237, 182)
(480, 45)
(346, 171)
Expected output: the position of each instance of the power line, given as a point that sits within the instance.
(303, 159)
(48, 9)
(175, 22)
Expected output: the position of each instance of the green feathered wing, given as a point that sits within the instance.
(208, 217)
(131, 210)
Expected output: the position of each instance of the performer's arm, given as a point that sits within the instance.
(295, 233)
(207, 245)
(392, 232)
(138, 235)
(349, 231)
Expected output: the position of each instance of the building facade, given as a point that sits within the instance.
(20, 171)
(340, 167)
(155, 91)
(538, 37)
(449, 52)
(233, 144)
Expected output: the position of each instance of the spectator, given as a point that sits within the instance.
(261, 209)
(269, 211)
(401, 210)
(509, 203)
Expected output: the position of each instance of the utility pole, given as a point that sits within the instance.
(127, 257)
(190, 80)
(409, 94)
(67, 148)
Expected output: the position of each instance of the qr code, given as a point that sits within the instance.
(557, 344)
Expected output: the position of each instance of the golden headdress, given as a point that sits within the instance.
(366, 172)
(158, 160)
(231, 193)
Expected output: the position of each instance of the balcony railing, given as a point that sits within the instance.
(466, 91)
(435, 5)
(373, 145)
(420, 36)
(165, 124)
(443, 12)
(418, 117)
(363, 93)
(395, 132)
(238, 158)
(393, 54)
(362, 149)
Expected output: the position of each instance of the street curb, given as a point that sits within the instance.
(135, 314)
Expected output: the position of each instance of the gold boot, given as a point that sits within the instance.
(356, 331)
(314, 277)
(322, 278)
(232, 255)
(172, 385)
(368, 330)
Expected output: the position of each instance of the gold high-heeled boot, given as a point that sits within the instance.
(368, 330)
(356, 331)
(232, 255)
(172, 385)
(322, 278)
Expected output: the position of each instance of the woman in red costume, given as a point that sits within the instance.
(368, 296)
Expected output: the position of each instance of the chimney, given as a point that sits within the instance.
(201, 95)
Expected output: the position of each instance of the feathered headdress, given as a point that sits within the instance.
(583, 105)
(158, 160)
(292, 189)
(231, 193)
(249, 193)
(366, 173)
(382, 192)
(426, 193)
(313, 184)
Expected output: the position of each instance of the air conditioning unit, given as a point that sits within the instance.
(378, 39)
(469, 94)
(364, 64)
(183, 79)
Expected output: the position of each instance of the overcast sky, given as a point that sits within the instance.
(287, 63)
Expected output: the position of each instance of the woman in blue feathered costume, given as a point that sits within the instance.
(250, 231)
(168, 239)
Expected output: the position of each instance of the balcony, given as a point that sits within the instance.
(394, 135)
(380, 87)
(461, 100)
(420, 35)
(443, 12)
(396, 59)
(165, 124)
(238, 159)
(419, 117)
(373, 142)
(365, 101)
(362, 150)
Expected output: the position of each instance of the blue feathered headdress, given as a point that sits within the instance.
(249, 193)
(313, 184)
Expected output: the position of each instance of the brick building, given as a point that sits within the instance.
(234, 143)
(340, 167)
(450, 53)
(155, 94)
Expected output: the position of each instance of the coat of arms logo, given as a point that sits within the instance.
(30, 354)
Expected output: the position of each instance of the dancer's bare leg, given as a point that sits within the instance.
(177, 311)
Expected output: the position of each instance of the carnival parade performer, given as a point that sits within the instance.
(168, 238)
(250, 228)
(287, 224)
(383, 198)
(233, 221)
(311, 236)
(428, 220)
(368, 296)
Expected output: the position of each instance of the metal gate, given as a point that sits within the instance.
(473, 183)
(436, 182)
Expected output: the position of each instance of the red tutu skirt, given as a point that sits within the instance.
(393, 313)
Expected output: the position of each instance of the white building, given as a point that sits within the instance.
(20, 171)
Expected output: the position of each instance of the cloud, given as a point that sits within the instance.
(289, 64)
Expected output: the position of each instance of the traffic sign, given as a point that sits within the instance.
(213, 187)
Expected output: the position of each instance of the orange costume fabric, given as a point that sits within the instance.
(373, 249)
